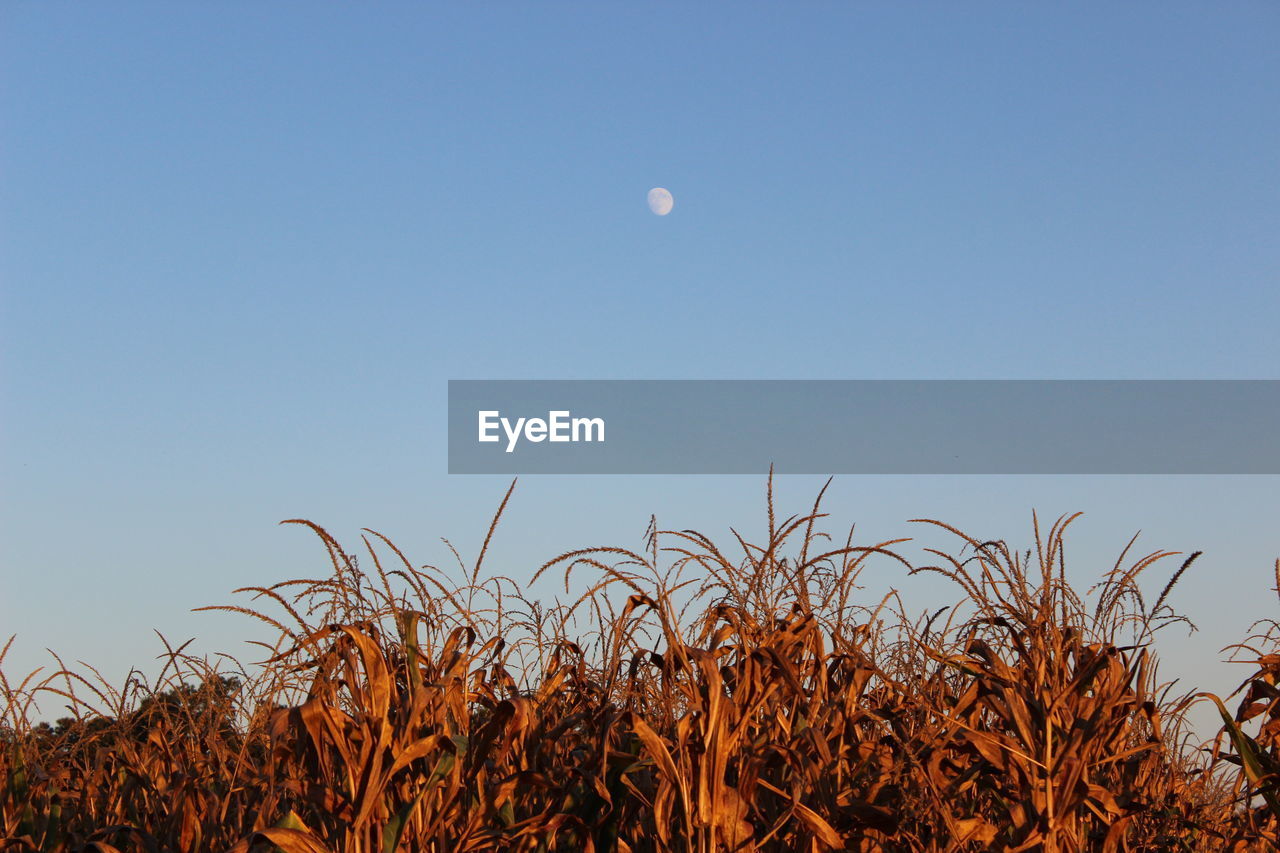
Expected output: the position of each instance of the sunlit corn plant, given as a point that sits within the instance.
(695, 695)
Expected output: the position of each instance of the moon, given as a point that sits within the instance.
(660, 201)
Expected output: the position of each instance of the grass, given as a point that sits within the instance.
(699, 696)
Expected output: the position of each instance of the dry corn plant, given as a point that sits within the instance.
(1258, 755)
(1054, 729)
(695, 697)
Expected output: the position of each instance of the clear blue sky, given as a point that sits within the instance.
(245, 245)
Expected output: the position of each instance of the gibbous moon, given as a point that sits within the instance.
(660, 201)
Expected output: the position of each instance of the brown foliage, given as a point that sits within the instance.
(749, 703)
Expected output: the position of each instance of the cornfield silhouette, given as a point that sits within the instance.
(695, 697)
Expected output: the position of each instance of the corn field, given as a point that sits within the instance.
(698, 696)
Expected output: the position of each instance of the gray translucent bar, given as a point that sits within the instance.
(868, 426)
